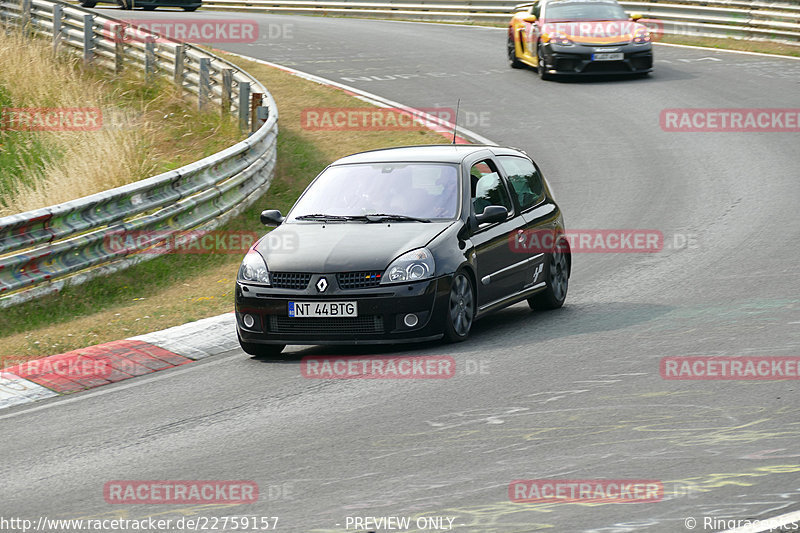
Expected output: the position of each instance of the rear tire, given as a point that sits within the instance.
(511, 51)
(261, 351)
(557, 268)
(460, 311)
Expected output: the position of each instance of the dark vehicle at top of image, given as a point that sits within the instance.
(147, 5)
(403, 244)
(578, 37)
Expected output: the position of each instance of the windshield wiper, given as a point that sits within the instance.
(323, 216)
(380, 217)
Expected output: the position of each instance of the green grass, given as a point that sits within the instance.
(22, 155)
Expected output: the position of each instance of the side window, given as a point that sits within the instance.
(487, 187)
(537, 9)
(524, 179)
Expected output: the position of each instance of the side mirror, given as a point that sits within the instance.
(635, 16)
(272, 217)
(530, 18)
(492, 214)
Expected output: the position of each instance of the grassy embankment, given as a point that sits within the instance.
(177, 288)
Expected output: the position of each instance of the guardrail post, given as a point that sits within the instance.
(88, 38)
(180, 56)
(58, 14)
(25, 22)
(227, 89)
(149, 58)
(205, 83)
(255, 103)
(244, 104)
(118, 30)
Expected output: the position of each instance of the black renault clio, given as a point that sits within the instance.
(403, 244)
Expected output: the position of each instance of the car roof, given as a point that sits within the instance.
(435, 153)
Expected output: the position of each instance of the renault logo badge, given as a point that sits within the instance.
(322, 285)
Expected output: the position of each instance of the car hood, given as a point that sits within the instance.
(343, 247)
(603, 32)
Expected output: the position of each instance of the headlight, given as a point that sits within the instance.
(641, 36)
(254, 269)
(412, 266)
(557, 37)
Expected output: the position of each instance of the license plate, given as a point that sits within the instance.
(614, 56)
(322, 309)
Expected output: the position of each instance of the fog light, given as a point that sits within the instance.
(248, 321)
(410, 320)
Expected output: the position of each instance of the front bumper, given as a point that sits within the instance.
(381, 311)
(578, 59)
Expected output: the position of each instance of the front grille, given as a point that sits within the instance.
(607, 66)
(290, 280)
(359, 280)
(325, 327)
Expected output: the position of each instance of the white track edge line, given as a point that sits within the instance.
(369, 98)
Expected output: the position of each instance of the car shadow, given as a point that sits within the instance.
(502, 329)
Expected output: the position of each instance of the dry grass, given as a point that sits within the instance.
(79, 163)
(173, 290)
(147, 128)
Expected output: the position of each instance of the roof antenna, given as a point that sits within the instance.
(455, 123)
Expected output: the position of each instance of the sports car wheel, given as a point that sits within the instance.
(557, 267)
(511, 50)
(540, 64)
(461, 308)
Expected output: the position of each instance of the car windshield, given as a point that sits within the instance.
(394, 191)
(570, 10)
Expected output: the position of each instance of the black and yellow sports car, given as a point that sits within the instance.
(578, 37)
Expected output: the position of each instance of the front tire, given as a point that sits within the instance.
(557, 269)
(511, 50)
(261, 351)
(192, 8)
(86, 3)
(460, 310)
(540, 64)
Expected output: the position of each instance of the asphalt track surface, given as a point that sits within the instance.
(570, 394)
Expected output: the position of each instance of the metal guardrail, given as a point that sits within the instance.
(768, 21)
(41, 250)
